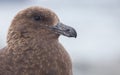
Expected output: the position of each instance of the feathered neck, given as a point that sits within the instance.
(26, 40)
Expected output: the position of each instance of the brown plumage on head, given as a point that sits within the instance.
(33, 47)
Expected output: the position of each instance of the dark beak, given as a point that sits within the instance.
(65, 30)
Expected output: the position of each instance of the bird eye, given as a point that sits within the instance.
(37, 18)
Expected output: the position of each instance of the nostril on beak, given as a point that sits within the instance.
(67, 30)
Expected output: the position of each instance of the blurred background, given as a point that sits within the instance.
(96, 50)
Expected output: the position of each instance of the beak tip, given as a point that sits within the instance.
(75, 34)
(71, 33)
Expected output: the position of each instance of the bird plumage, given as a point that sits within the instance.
(33, 47)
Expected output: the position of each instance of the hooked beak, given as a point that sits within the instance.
(65, 30)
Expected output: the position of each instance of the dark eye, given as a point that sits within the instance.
(37, 18)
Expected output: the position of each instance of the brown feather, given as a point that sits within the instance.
(33, 50)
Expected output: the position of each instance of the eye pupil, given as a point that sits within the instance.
(37, 18)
